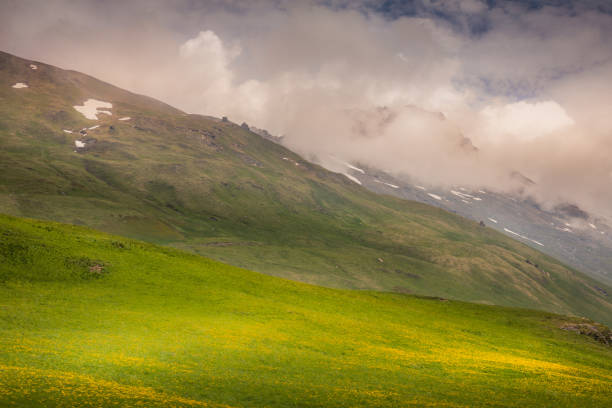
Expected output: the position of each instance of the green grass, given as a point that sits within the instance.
(215, 189)
(160, 327)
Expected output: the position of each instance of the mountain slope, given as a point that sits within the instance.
(215, 188)
(89, 319)
(567, 233)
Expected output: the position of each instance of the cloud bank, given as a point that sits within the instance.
(395, 85)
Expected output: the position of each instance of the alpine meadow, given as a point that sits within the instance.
(162, 256)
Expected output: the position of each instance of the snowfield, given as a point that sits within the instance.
(92, 107)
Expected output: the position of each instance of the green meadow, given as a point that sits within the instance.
(90, 319)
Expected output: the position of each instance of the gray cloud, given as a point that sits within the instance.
(393, 86)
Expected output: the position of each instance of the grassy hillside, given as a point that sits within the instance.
(89, 319)
(214, 188)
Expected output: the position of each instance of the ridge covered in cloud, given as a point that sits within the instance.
(396, 85)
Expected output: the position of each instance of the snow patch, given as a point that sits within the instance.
(354, 168)
(387, 184)
(437, 197)
(355, 179)
(462, 195)
(79, 144)
(20, 85)
(512, 232)
(592, 226)
(522, 236)
(67, 131)
(350, 166)
(92, 107)
(492, 220)
(465, 196)
(125, 118)
(482, 191)
(34, 67)
(421, 188)
(94, 127)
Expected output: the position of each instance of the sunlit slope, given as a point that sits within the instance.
(217, 189)
(89, 319)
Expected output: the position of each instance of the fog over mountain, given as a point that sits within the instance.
(408, 87)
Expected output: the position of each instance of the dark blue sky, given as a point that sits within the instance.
(478, 23)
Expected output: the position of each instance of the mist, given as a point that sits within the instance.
(401, 88)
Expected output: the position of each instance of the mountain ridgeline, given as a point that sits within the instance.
(145, 170)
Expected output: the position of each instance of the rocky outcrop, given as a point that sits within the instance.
(596, 331)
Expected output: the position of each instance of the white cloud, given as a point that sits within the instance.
(524, 121)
